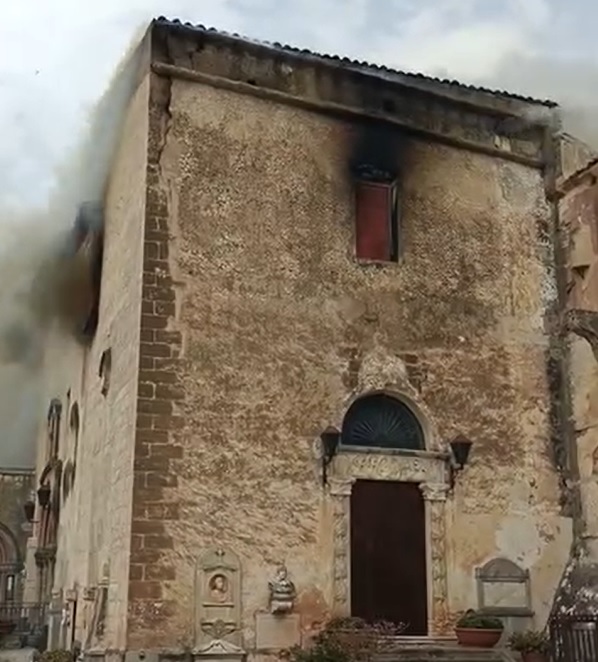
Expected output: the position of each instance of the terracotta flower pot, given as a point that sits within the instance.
(477, 638)
(534, 656)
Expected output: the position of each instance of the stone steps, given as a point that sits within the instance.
(442, 651)
(447, 655)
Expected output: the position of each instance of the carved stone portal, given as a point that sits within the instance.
(218, 590)
(427, 469)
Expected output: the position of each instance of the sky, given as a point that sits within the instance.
(56, 56)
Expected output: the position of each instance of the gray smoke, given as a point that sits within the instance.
(41, 278)
(573, 84)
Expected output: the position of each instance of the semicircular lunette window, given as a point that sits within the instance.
(381, 421)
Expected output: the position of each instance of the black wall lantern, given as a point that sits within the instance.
(460, 448)
(330, 440)
(29, 510)
(43, 495)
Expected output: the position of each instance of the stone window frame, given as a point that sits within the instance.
(428, 468)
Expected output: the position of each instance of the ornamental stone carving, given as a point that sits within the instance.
(427, 469)
(437, 540)
(218, 608)
(340, 487)
(282, 592)
(374, 465)
(434, 491)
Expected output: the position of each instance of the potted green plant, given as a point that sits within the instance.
(533, 645)
(477, 630)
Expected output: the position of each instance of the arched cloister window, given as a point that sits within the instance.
(74, 423)
(9, 565)
(382, 421)
(9, 552)
(54, 414)
(105, 370)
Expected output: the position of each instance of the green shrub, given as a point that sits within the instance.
(346, 639)
(476, 620)
(59, 655)
(529, 641)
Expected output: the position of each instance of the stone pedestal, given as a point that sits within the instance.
(277, 632)
(219, 650)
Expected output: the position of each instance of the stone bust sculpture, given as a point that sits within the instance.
(282, 592)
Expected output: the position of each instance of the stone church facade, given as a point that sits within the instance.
(322, 283)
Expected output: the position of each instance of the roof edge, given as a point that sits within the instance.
(567, 184)
(407, 78)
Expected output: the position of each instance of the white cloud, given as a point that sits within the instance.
(464, 38)
(57, 56)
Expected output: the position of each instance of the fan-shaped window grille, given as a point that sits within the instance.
(381, 421)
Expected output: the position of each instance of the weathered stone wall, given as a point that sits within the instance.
(250, 212)
(579, 215)
(95, 528)
(574, 155)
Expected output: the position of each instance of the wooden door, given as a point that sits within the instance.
(388, 554)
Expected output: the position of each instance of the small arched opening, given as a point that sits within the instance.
(382, 421)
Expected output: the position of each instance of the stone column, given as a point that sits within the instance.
(435, 497)
(340, 491)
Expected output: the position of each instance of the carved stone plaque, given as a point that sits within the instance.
(503, 587)
(218, 597)
(389, 466)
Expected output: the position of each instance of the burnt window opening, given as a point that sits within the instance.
(91, 323)
(105, 370)
(87, 241)
(376, 215)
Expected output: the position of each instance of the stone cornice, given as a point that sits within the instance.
(503, 128)
(586, 175)
(426, 117)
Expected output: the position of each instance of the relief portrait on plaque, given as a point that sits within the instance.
(218, 589)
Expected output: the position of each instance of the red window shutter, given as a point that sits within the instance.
(373, 214)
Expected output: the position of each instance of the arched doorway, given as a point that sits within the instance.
(387, 519)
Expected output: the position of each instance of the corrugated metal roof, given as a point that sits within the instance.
(376, 69)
